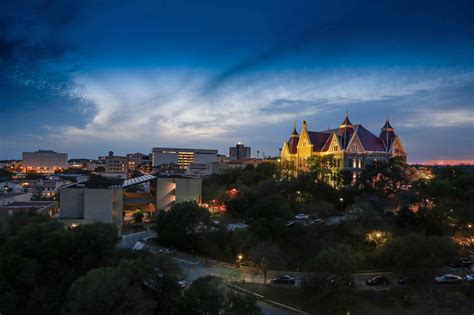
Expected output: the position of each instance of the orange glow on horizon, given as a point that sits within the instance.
(446, 162)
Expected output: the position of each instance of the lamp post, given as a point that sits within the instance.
(239, 260)
(341, 200)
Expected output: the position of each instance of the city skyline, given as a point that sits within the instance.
(86, 78)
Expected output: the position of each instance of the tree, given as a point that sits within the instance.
(39, 262)
(210, 295)
(322, 167)
(340, 260)
(181, 223)
(270, 207)
(114, 290)
(420, 255)
(138, 216)
(266, 255)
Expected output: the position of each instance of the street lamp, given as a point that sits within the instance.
(341, 200)
(239, 260)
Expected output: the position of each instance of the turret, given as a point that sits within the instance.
(345, 132)
(387, 134)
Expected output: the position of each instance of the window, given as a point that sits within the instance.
(350, 162)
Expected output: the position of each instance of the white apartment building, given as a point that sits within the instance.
(182, 157)
(44, 161)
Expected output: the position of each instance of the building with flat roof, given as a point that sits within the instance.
(97, 200)
(116, 164)
(135, 160)
(239, 152)
(107, 199)
(44, 161)
(182, 158)
(169, 190)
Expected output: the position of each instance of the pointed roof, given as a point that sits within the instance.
(293, 144)
(346, 123)
(294, 133)
(387, 135)
(387, 126)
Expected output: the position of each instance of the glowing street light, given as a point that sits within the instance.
(239, 260)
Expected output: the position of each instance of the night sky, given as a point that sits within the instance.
(87, 77)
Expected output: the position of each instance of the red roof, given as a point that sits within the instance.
(318, 139)
(369, 141)
(293, 144)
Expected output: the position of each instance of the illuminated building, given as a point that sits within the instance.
(116, 164)
(352, 146)
(182, 157)
(44, 161)
(135, 160)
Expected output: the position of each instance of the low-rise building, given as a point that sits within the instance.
(98, 200)
(169, 190)
(106, 199)
(116, 164)
(135, 160)
(182, 158)
(44, 161)
(7, 198)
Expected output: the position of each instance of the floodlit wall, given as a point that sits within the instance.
(171, 190)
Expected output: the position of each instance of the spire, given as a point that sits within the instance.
(346, 130)
(387, 126)
(294, 133)
(388, 134)
(346, 123)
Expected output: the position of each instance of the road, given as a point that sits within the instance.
(195, 267)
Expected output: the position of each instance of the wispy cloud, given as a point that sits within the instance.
(170, 105)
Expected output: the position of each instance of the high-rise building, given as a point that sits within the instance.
(44, 161)
(182, 157)
(239, 152)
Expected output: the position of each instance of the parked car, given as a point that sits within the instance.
(301, 216)
(378, 280)
(165, 251)
(460, 263)
(448, 278)
(469, 278)
(284, 279)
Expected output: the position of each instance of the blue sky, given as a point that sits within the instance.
(87, 77)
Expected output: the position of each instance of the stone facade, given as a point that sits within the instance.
(352, 146)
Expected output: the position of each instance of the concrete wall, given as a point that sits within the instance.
(98, 205)
(165, 193)
(204, 158)
(176, 189)
(117, 206)
(71, 203)
(188, 189)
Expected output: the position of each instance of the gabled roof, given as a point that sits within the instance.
(318, 139)
(327, 145)
(369, 141)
